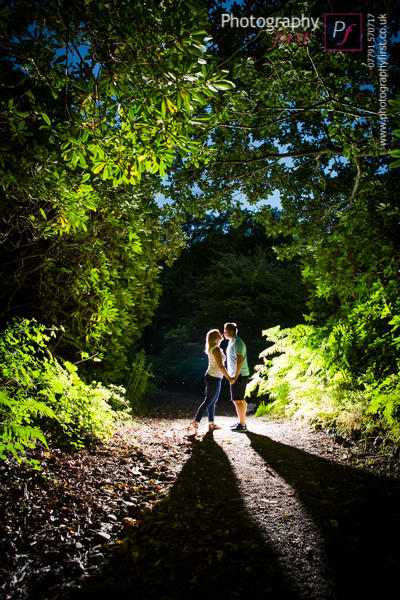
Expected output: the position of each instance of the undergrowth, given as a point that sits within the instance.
(302, 378)
(41, 396)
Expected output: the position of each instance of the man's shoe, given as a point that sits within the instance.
(239, 428)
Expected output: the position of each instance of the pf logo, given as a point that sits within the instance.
(343, 32)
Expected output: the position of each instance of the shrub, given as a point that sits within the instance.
(41, 396)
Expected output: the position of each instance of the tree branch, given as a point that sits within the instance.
(357, 181)
(314, 152)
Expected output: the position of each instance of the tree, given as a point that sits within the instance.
(302, 120)
(97, 98)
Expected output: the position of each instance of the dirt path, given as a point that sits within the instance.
(275, 512)
(158, 514)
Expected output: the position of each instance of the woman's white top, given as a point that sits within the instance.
(213, 368)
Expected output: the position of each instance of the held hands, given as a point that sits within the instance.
(231, 379)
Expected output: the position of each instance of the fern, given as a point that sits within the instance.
(139, 382)
(297, 370)
(385, 400)
(16, 432)
(309, 372)
(38, 394)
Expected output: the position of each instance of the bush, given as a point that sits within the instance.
(41, 396)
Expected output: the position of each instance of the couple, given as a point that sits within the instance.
(237, 374)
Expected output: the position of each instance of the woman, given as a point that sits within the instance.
(212, 378)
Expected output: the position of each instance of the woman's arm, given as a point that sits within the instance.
(218, 359)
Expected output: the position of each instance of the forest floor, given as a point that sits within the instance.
(158, 513)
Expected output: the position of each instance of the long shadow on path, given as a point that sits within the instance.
(357, 514)
(197, 543)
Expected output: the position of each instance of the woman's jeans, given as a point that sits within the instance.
(213, 387)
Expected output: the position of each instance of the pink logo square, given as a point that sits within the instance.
(343, 32)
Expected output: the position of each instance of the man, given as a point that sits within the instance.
(238, 369)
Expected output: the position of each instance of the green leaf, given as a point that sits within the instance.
(98, 167)
(186, 102)
(223, 84)
(194, 7)
(334, 523)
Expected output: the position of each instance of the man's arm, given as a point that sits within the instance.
(239, 362)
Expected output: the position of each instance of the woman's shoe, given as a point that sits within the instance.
(213, 427)
(194, 425)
